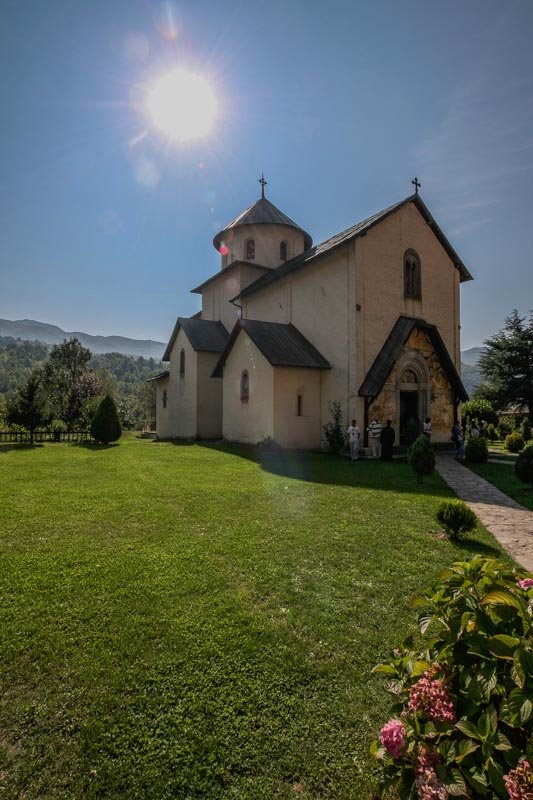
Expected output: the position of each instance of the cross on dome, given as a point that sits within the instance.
(263, 183)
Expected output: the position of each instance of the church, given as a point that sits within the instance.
(369, 318)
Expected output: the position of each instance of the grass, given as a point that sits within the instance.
(185, 622)
(504, 478)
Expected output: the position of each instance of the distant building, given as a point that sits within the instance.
(369, 318)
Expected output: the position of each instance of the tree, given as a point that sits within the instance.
(524, 465)
(479, 410)
(334, 430)
(507, 364)
(26, 407)
(68, 382)
(421, 457)
(105, 426)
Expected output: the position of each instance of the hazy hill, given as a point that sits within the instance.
(471, 356)
(31, 330)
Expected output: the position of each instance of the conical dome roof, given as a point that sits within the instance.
(262, 212)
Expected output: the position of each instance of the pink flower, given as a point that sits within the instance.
(430, 695)
(392, 737)
(427, 784)
(519, 782)
(526, 583)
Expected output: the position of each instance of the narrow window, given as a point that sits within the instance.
(412, 280)
(300, 412)
(245, 386)
(250, 250)
(283, 251)
(164, 398)
(182, 363)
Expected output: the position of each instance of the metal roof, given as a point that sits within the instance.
(158, 377)
(391, 350)
(282, 345)
(360, 229)
(260, 213)
(205, 335)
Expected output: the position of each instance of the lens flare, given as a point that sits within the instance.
(182, 105)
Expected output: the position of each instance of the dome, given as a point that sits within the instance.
(262, 212)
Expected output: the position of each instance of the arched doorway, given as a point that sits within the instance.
(412, 396)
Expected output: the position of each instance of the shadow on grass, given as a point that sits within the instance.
(6, 448)
(325, 468)
(474, 545)
(94, 445)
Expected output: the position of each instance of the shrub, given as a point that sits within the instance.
(411, 431)
(524, 465)
(479, 410)
(476, 451)
(504, 427)
(456, 518)
(514, 442)
(462, 715)
(492, 433)
(334, 430)
(421, 457)
(105, 425)
(525, 430)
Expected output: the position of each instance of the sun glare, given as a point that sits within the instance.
(182, 105)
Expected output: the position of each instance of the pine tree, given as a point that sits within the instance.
(421, 457)
(26, 407)
(105, 426)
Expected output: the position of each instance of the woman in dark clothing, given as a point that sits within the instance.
(387, 441)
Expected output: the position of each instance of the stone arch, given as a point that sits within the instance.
(413, 390)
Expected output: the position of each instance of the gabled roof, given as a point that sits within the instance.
(237, 263)
(391, 350)
(360, 229)
(205, 335)
(282, 345)
(260, 213)
(158, 377)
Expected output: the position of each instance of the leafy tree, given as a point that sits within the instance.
(421, 457)
(507, 364)
(334, 430)
(525, 429)
(479, 410)
(105, 426)
(26, 407)
(68, 382)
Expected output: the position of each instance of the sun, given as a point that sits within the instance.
(182, 105)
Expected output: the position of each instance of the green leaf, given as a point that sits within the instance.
(466, 746)
(478, 781)
(495, 773)
(526, 660)
(487, 680)
(386, 669)
(469, 729)
(517, 709)
(487, 724)
(503, 646)
(419, 667)
(456, 785)
(502, 597)
(424, 622)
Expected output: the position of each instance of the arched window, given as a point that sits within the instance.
(250, 250)
(283, 251)
(182, 363)
(412, 279)
(245, 386)
(165, 396)
(300, 405)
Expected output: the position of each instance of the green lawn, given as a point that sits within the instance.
(184, 622)
(502, 476)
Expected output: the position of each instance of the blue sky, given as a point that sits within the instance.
(105, 227)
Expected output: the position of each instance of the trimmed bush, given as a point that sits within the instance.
(456, 518)
(504, 427)
(525, 430)
(421, 457)
(476, 451)
(479, 410)
(105, 425)
(492, 433)
(462, 719)
(514, 442)
(524, 465)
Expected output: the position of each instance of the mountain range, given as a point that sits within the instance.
(31, 330)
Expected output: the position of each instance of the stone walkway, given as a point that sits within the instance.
(509, 522)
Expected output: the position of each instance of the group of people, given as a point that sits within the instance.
(381, 439)
(459, 437)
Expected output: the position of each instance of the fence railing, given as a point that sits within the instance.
(45, 436)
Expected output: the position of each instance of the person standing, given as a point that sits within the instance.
(354, 435)
(459, 440)
(387, 441)
(427, 428)
(374, 429)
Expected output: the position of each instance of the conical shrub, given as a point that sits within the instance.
(106, 427)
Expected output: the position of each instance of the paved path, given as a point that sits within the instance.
(509, 522)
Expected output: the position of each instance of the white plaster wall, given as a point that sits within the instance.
(253, 421)
(209, 398)
(291, 430)
(163, 421)
(182, 392)
(216, 296)
(267, 240)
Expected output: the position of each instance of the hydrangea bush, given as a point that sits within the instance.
(462, 721)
